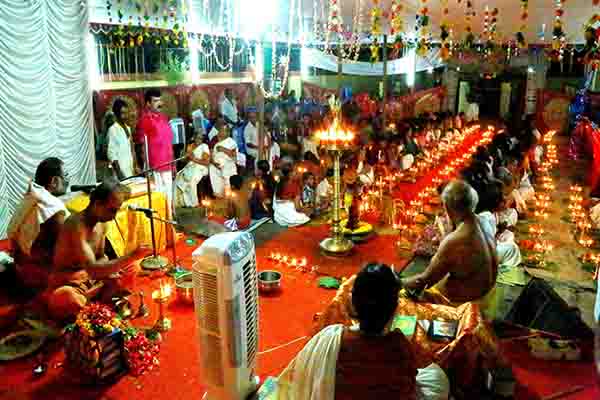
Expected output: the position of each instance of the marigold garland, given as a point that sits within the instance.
(376, 15)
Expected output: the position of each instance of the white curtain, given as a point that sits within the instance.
(45, 99)
(315, 58)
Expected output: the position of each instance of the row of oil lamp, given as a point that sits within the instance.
(298, 263)
(579, 216)
(542, 200)
(444, 174)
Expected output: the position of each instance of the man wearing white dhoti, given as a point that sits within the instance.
(190, 176)
(224, 162)
(120, 147)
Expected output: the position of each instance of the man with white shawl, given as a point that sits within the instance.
(367, 360)
(224, 162)
(36, 222)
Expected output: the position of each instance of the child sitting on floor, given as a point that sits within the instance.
(308, 197)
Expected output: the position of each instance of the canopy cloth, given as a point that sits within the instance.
(315, 58)
(45, 98)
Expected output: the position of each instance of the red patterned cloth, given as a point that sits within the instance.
(377, 367)
(473, 350)
(586, 140)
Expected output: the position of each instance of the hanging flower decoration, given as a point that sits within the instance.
(396, 22)
(493, 25)
(558, 34)
(423, 43)
(376, 16)
(335, 18)
(170, 15)
(445, 50)
(520, 35)
(469, 37)
(486, 23)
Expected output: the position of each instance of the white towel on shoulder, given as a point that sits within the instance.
(38, 206)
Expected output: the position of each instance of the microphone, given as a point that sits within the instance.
(146, 211)
(83, 188)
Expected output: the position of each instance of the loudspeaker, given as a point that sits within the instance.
(540, 307)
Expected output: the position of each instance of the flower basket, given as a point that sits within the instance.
(95, 359)
(100, 347)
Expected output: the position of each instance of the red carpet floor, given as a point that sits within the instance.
(283, 318)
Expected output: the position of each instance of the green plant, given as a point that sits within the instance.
(173, 67)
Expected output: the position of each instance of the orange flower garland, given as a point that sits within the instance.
(396, 23)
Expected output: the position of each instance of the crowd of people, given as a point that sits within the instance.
(470, 243)
(289, 178)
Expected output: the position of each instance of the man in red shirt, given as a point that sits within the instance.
(155, 134)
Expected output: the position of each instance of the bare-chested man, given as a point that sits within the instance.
(36, 222)
(465, 266)
(81, 269)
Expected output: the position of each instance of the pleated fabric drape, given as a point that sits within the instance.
(45, 98)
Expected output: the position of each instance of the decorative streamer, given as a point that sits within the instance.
(469, 38)
(396, 22)
(520, 35)
(376, 15)
(354, 36)
(423, 42)
(446, 50)
(334, 24)
(558, 33)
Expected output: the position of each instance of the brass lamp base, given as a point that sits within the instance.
(337, 246)
(153, 262)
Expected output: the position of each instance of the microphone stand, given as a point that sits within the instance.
(156, 261)
(175, 268)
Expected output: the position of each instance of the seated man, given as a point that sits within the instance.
(367, 361)
(81, 269)
(465, 266)
(36, 223)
